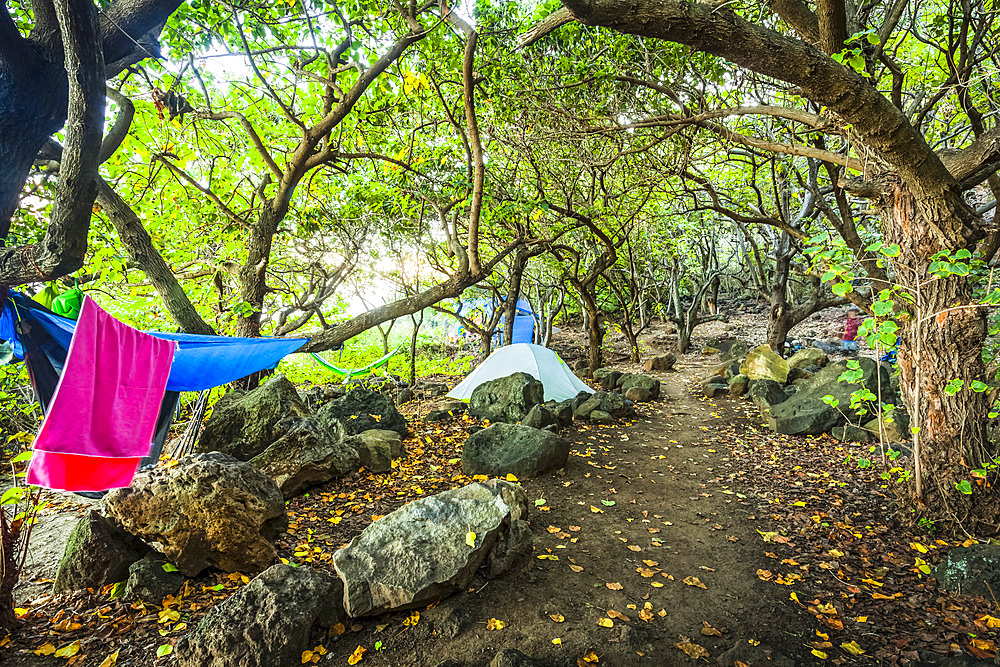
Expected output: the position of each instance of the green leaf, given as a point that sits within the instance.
(842, 289)
(964, 487)
(164, 650)
(608, 503)
(169, 567)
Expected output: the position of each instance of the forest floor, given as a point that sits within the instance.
(684, 535)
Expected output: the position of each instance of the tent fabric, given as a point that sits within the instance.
(201, 362)
(559, 381)
(105, 406)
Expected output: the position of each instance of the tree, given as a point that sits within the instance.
(916, 190)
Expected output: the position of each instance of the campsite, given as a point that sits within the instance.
(511, 334)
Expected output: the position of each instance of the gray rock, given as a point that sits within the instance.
(894, 431)
(738, 385)
(798, 374)
(512, 546)
(507, 399)
(614, 404)
(610, 381)
(790, 390)
(540, 416)
(763, 363)
(807, 413)
(267, 622)
(447, 411)
(244, 424)
(600, 417)
(585, 407)
(563, 412)
(362, 410)
(602, 373)
(661, 363)
(638, 395)
(513, 448)
(97, 553)
(852, 433)
(765, 394)
(736, 350)
(809, 356)
(377, 448)
(405, 395)
(208, 510)
(152, 580)
(973, 570)
(420, 553)
(581, 365)
(644, 382)
(716, 388)
(311, 452)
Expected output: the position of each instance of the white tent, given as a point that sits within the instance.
(559, 381)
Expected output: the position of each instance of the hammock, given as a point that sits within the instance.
(349, 373)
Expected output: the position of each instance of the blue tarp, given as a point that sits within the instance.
(201, 362)
(524, 318)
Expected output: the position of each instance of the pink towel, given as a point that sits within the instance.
(105, 405)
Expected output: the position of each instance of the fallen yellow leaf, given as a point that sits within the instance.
(606, 622)
(852, 648)
(495, 624)
(356, 657)
(694, 581)
(558, 618)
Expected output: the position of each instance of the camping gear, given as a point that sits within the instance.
(348, 373)
(42, 339)
(201, 362)
(111, 371)
(545, 365)
(69, 303)
(524, 318)
(47, 295)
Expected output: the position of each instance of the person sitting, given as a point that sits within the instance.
(849, 342)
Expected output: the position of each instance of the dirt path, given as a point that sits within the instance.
(637, 510)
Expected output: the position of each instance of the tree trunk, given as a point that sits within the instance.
(518, 264)
(595, 332)
(253, 275)
(951, 438)
(413, 346)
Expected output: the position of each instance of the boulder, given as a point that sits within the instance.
(765, 394)
(614, 404)
(738, 385)
(507, 399)
(661, 363)
(581, 365)
(208, 510)
(541, 416)
(513, 448)
(715, 388)
(808, 356)
(152, 580)
(244, 424)
(790, 390)
(97, 553)
(362, 410)
(600, 417)
(588, 405)
(798, 375)
(807, 413)
(610, 381)
(266, 623)
(973, 570)
(311, 452)
(645, 382)
(509, 548)
(852, 433)
(377, 448)
(638, 395)
(602, 373)
(429, 548)
(763, 363)
(735, 351)
(405, 395)
(896, 430)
